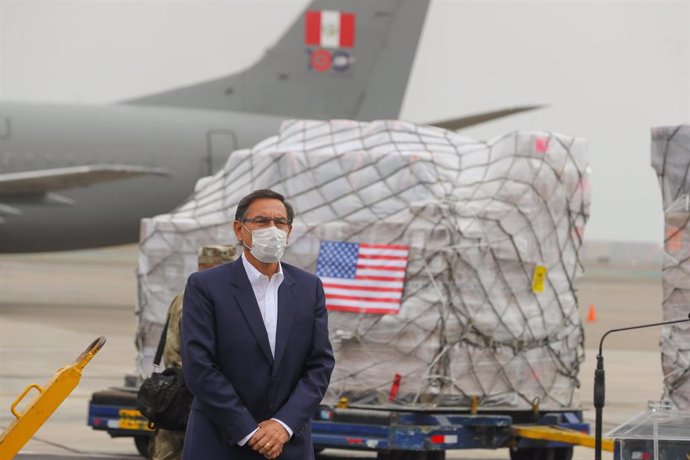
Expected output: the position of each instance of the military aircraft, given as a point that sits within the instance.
(77, 176)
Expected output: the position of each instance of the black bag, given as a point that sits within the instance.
(164, 398)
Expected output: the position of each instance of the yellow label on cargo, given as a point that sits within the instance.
(131, 419)
(539, 278)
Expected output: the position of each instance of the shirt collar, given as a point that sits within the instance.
(255, 275)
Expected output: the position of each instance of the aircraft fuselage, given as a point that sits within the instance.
(188, 143)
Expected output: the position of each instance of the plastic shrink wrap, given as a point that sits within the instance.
(489, 307)
(671, 160)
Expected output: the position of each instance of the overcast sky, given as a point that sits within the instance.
(608, 71)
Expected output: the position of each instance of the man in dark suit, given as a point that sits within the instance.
(255, 345)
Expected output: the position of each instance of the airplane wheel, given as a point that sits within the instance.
(142, 443)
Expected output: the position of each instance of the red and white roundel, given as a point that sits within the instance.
(321, 60)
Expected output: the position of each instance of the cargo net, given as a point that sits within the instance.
(671, 160)
(488, 313)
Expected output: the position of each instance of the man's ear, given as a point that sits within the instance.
(237, 227)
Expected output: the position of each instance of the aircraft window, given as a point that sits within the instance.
(5, 127)
(229, 91)
(283, 76)
(6, 161)
(50, 160)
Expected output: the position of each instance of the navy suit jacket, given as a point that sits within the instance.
(228, 365)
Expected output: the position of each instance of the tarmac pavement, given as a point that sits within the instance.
(52, 306)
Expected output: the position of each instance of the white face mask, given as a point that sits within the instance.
(268, 244)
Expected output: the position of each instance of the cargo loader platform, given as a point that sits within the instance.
(396, 434)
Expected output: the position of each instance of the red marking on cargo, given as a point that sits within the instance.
(584, 186)
(541, 144)
(674, 239)
(395, 387)
(578, 232)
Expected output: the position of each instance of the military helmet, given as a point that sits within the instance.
(216, 254)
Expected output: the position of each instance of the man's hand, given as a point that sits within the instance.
(269, 439)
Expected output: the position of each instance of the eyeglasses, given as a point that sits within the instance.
(263, 221)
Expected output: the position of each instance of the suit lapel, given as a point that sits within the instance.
(287, 302)
(250, 308)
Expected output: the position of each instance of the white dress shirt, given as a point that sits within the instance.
(266, 293)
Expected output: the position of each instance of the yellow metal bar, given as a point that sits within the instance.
(42, 406)
(13, 407)
(474, 405)
(558, 434)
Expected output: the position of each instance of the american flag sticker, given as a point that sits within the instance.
(362, 278)
(329, 29)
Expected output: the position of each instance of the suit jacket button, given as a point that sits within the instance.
(274, 380)
(271, 407)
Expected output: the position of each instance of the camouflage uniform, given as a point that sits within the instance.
(167, 444)
(171, 352)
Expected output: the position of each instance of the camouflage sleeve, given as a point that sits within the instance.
(171, 352)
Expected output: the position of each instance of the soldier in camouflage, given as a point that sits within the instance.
(167, 444)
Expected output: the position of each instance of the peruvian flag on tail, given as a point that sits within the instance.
(330, 29)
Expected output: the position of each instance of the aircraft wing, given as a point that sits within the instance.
(471, 120)
(44, 181)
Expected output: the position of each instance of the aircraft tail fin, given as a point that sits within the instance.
(339, 59)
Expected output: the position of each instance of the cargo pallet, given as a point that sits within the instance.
(396, 434)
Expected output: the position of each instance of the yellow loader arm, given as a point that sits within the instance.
(42, 406)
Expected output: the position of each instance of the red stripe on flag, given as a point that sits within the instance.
(381, 267)
(347, 30)
(383, 246)
(312, 28)
(382, 311)
(377, 278)
(364, 299)
(381, 257)
(361, 288)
